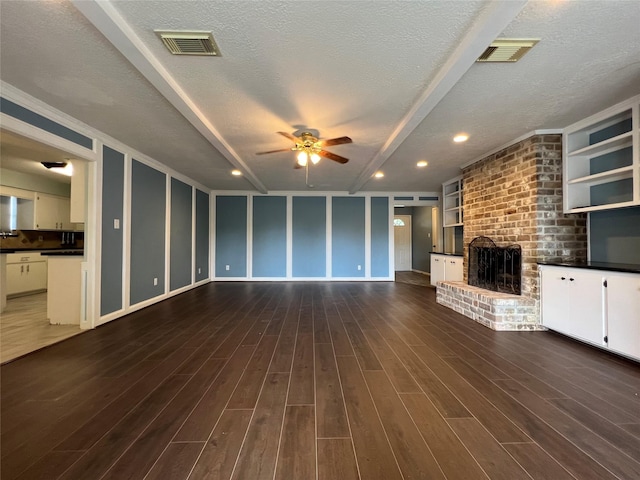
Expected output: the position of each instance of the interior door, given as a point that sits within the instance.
(402, 242)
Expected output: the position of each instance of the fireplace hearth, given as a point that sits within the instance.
(495, 268)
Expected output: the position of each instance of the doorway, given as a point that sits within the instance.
(402, 242)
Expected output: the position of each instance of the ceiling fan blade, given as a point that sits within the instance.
(274, 151)
(335, 141)
(290, 137)
(332, 156)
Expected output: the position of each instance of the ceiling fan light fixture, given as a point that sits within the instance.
(303, 158)
(315, 158)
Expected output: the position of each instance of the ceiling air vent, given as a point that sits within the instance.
(189, 43)
(507, 50)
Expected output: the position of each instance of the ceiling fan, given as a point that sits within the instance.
(309, 148)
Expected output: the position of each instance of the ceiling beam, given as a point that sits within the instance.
(104, 16)
(485, 30)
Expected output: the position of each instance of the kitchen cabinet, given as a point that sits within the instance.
(599, 307)
(52, 212)
(446, 268)
(26, 273)
(601, 160)
(573, 302)
(623, 313)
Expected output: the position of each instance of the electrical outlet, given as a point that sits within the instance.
(116, 224)
(359, 267)
(226, 267)
(155, 281)
(199, 270)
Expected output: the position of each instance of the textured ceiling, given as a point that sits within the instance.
(397, 77)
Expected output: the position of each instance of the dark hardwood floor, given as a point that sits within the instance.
(334, 381)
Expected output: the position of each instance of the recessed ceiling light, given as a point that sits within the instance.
(461, 137)
(422, 163)
(379, 175)
(237, 173)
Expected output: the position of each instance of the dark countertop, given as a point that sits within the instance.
(45, 251)
(450, 254)
(67, 252)
(613, 267)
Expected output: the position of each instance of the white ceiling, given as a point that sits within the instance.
(399, 78)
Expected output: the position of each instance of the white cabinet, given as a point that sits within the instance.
(573, 302)
(52, 212)
(623, 313)
(452, 203)
(596, 306)
(26, 273)
(601, 160)
(445, 268)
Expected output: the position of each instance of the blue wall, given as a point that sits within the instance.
(112, 241)
(379, 237)
(347, 237)
(269, 236)
(202, 235)
(231, 236)
(301, 235)
(309, 237)
(148, 223)
(181, 234)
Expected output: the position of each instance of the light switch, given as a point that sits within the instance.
(116, 224)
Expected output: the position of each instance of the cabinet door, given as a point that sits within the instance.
(437, 269)
(623, 313)
(46, 212)
(573, 303)
(36, 276)
(16, 278)
(453, 269)
(64, 214)
(554, 290)
(586, 305)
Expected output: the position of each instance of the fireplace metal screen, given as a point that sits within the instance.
(495, 268)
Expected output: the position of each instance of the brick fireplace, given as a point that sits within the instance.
(514, 196)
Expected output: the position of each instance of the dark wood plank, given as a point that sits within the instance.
(52, 465)
(339, 337)
(494, 460)
(99, 458)
(248, 388)
(176, 461)
(321, 333)
(336, 459)
(297, 455)
(221, 450)
(361, 347)
(373, 452)
(578, 463)
(452, 456)
(412, 453)
(204, 416)
(257, 459)
(438, 393)
(331, 416)
(141, 455)
(492, 418)
(301, 388)
(580, 435)
(632, 428)
(616, 436)
(398, 374)
(537, 463)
